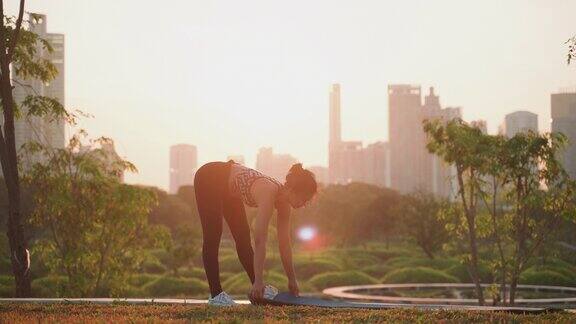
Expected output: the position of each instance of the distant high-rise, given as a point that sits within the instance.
(412, 166)
(237, 158)
(349, 161)
(404, 105)
(320, 173)
(274, 165)
(183, 164)
(45, 130)
(518, 122)
(564, 120)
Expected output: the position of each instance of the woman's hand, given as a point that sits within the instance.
(293, 287)
(257, 292)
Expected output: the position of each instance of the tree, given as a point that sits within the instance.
(18, 56)
(419, 215)
(465, 147)
(184, 247)
(539, 191)
(96, 228)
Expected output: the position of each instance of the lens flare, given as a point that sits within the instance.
(306, 233)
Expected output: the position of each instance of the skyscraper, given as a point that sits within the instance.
(412, 166)
(404, 105)
(183, 164)
(349, 161)
(563, 107)
(44, 130)
(274, 165)
(519, 121)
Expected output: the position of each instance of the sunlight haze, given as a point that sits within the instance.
(233, 76)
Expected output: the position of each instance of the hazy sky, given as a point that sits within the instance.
(232, 76)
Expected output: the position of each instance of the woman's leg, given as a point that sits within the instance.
(209, 202)
(235, 216)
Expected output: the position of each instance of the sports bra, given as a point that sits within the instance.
(242, 183)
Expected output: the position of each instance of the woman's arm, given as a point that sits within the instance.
(285, 247)
(264, 194)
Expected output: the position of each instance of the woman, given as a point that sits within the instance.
(221, 190)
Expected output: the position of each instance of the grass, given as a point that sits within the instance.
(122, 313)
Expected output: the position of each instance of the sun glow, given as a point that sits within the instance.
(306, 233)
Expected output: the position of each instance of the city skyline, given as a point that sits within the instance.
(271, 92)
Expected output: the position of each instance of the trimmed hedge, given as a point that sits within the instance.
(153, 265)
(308, 268)
(140, 279)
(341, 278)
(173, 287)
(418, 275)
(406, 262)
(544, 277)
(230, 263)
(377, 270)
(197, 273)
(460, 271)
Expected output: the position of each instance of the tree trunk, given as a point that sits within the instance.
(19, 254)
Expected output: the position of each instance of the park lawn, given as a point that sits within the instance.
(122, 313)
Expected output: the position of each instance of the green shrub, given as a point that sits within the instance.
(544, 277)
(406, 262)
(140, 279)
(341, 278)
(6, 280)
(230, 263)
(197, 273)
(153, 266)
(5, 266)
(418, 275)
(307, 268)
(377, 270)
(460, 271)
(168, 286)
(7, 286)
(133, 292)
(50, 286)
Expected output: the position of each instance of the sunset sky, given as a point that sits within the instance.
(232, 76)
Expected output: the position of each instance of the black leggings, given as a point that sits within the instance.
(214, 201)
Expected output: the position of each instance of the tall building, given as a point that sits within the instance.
(237, 158)
(376, 164)
(349, 161)
(320, 173)
(45, 130)
(519, 121)
(412, 166)
(274, 165)
(183, 165)
(563, 107)
(404, 105)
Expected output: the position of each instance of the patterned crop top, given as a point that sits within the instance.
(243, 181)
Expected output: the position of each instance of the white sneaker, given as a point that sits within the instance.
(222, 299)
(270, 292)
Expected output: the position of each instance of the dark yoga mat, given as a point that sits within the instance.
(287, 299)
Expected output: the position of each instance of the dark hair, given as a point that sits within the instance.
(301, 180)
